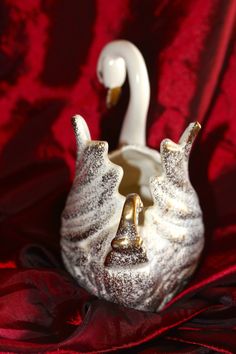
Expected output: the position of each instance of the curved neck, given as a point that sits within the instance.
(131, 210)
(134, 126)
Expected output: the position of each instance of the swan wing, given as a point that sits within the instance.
(176, 214)
(94, 203)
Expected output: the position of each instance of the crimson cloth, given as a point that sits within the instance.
(48, 54)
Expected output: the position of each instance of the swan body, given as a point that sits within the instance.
(132, 229)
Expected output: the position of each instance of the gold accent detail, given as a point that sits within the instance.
(132, 207)
(169, 146)
(186, 139)
(126, 243)
(190, 134)
(113, 96)
(127, 249)
(193, 132)
(129, 219)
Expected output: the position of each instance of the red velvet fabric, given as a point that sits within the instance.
(48, 54)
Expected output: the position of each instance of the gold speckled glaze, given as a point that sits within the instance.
(118, 247)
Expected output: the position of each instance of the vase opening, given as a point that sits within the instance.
(139, 163)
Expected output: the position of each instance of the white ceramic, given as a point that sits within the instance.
(116, 59)
(132, 229)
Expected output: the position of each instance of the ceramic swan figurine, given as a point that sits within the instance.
(132, 229)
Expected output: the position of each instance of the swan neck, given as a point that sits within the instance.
(133, 130)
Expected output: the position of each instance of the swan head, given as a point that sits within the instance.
(111, 73)
(117, 60)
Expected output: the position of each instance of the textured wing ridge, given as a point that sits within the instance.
(175, 212)
(94, 202)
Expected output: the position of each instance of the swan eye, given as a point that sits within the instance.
(100, 75)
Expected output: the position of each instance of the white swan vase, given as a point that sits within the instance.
(132, 229)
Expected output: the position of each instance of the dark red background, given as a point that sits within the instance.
(48, 54)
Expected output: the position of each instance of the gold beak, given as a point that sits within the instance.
(113, 96)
